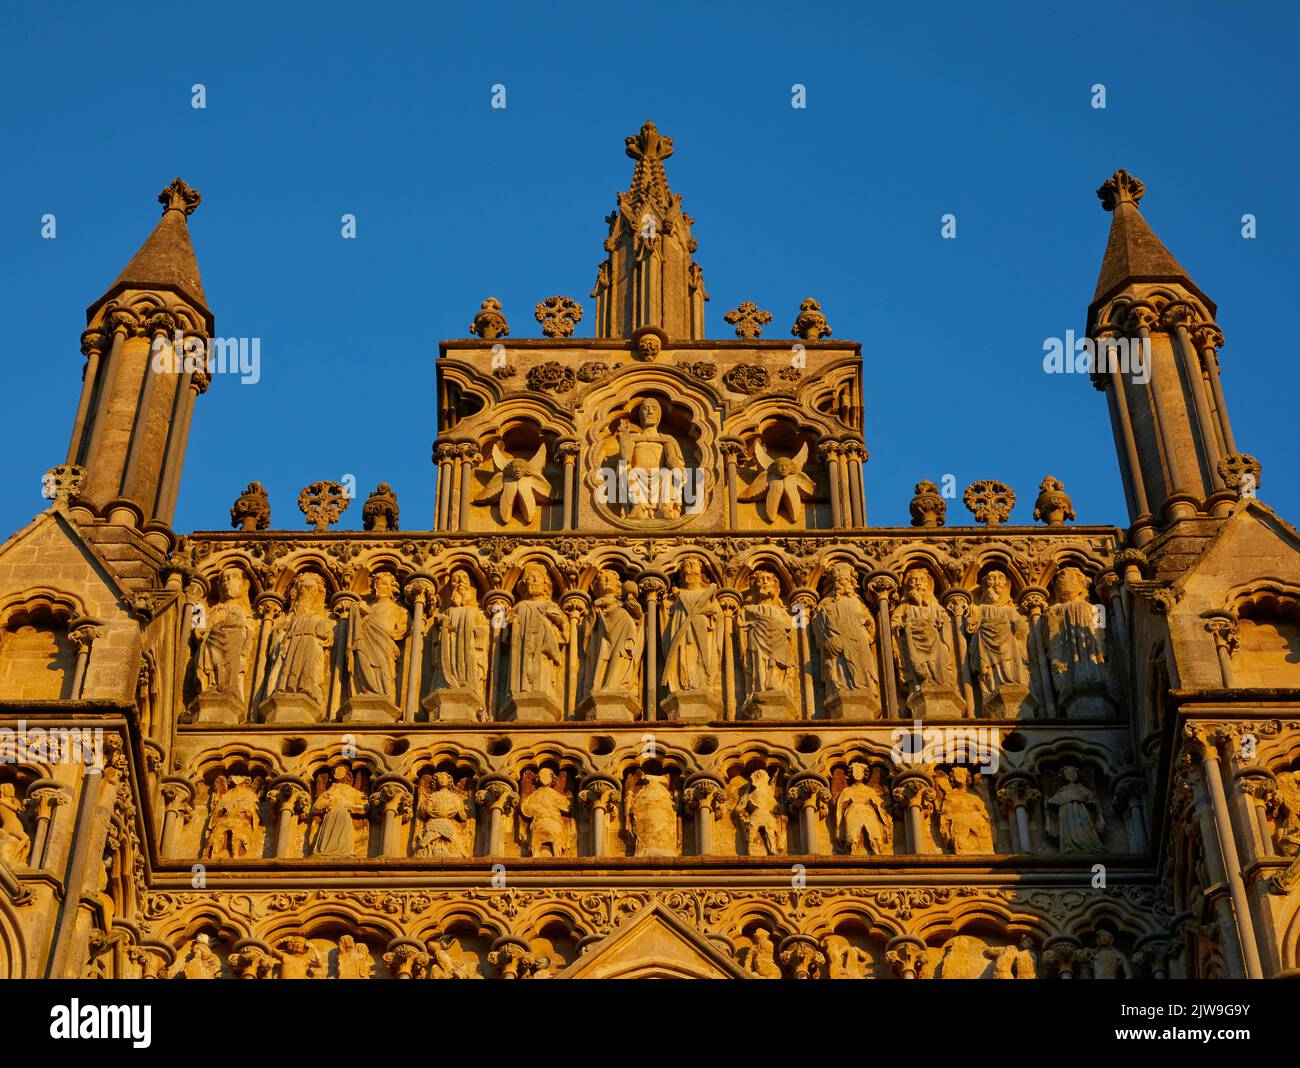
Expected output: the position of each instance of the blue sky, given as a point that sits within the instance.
(912, 111)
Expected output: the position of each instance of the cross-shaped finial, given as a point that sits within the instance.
(178, 196)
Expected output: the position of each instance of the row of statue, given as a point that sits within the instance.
(761, 957)
(859, 811)
(983, 656)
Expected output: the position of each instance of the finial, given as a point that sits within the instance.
(1120, 188)
(811, 324)
(60, 484)
(1053, 506)
(648, 144)
(558, 315)
(989, 501)
(252, 509)
(489, 323)
(179, 196)
(322, 503)
(749, 320)
(380, 510)
(928, 508)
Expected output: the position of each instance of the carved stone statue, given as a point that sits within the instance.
(845, 630)
(536, 630)
(197, 961)
(756, 807)
(771, 664)
(374, 635)
(692, 651)
(299, 647)
(1026, 962)
(444, 965)
(545, 811)
(760, 960)
(845, 960)
(225, 640)
(1287, 829)
(299, 959)
(14, 843)
(998, 649)
(782, 484)
(1074, 816)
(460, 653)
(336, 808)
(655, 468)
(652, 818)
(233, 819)
(518, 485)
(447, 829)
(862, 819)
(1107, 961)
(964, 821)
(611, 675)
(1075, 637)
(354, 959)
(923, 639)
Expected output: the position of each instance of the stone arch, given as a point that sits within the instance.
(38, 657)
(13, 949)
(1267, 651)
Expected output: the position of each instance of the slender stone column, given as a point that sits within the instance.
(268, 609)
(419, 594)
(340, 680)
(729, 600)
(289, 798)
(1204, 745)
(1259, 792)
(1209, 339)
(1017, 794)
(1033, 602)
(855, 455)
(393, 801)
(732, 450)
(1223, 627)
(498, 796)
(193, 387)
(120, 322)
(46, 801)
(456, 451)
(1191, 361)
(804, 601)
(1119, 401)
(496, 604)
(957, 601)
(704, 795)
(810, 796)
(568, 452)
(160, 326)
(469, 459)
(1191, 787)
(1128, 791)
(93, 343)
(445, 454)
(575, 604)
(883, 587)
(915, 793)
(830, 454)
(600, 794)
(178, 806)
(83, 637)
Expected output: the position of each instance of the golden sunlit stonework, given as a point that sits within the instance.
(651, 697)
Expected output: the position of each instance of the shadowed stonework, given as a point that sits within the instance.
(649, 696)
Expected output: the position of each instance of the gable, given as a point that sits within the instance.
(655, 944)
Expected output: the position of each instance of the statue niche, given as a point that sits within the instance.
(225, 638)
(923, 641)
(845, 630)
(770, 661)
(998, 651)
(518, 485)
(535, 633)
(650, 815)
(651, 472)
(546, 826)
(610, 685)
(337, 809)
(782, 484)
(460, 655)
(863, 822)
(235, 810)
(443, 818)
(374, 634)
(1074, 814)
(299, 656)
(1075, 636)
(692, 647)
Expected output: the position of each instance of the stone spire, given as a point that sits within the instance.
(1133, 252)
(146, 346)
(648, 277)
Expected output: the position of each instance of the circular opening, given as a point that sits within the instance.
(499, 746)
(807, 743)
(397, 746)
(293, 746)
(1014, 743)
(601, 744)
(704, 745)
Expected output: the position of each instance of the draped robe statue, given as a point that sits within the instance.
(296, 681)
(692, 650)
(225, 639)
(844, 630)
(337, 807)
(964, 821)
(610, 684)
(923, 638)
(862, 818)
(536, 633)
(1074, 816)
(1075, 637)
(461, 656)
(445, 812)
(374, 636)
(652, 818)
(998, 650)
(771, 663)
(655, 467)
(546, 812)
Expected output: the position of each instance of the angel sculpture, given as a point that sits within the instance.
(964, 821)
(517, 484)
(650, 815)
(235, 804)
(782, 481)
(754, 804)
(445, 826)
(847, 961)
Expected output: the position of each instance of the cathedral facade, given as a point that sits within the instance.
(651, 697)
